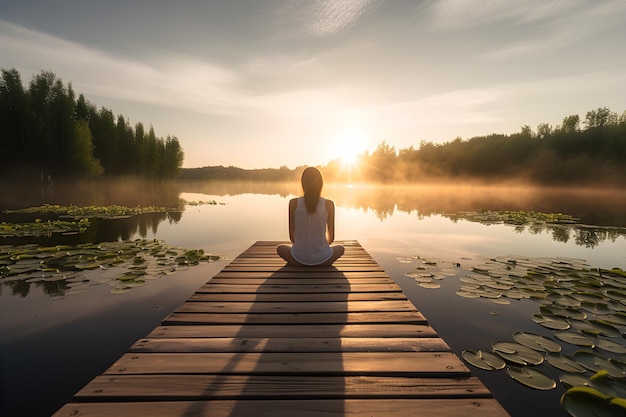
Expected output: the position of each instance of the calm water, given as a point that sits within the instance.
(53, 342)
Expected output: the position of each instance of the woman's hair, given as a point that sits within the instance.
(312, 183)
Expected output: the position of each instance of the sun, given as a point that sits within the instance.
(348, 145)
(349, 156)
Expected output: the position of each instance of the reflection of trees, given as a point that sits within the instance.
(19, 287)
(53, 288)
(22, 287)
(463, 202)
(560, 234)
(584, 235)
(108, 230)
(587, 237)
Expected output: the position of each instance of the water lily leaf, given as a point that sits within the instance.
(87, 265)
(615, 318)
(551, 322)
(595, 362)
(516, 294)
(595, 308)
(129, 276)
(429, 285)
(564, 312)
(536, 342)
(611, 346)
(494, 360)
(531, 377)
(577, 339)
(605, 328)
(564, 362)
(467, 294)
(477, 359)
(517, 353)
(570, 380)
(587, 402)
(608, 385)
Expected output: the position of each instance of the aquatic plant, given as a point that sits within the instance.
(77, 212)
(582, 306)
(43, 228)
(122, 264)
(562, 226)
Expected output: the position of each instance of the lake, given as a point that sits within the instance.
(59, 334)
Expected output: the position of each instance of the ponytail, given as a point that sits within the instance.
(312, 183)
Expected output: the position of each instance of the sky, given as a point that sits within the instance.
(270, 83)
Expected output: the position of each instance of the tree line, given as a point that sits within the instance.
(45, 128)
(566, 154)
(563, 154)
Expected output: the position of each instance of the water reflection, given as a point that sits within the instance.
(99, 230)
(599, 212)
(593, 206)
(22, 287)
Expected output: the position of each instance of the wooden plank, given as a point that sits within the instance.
(387, 330)
(296, 318)
(212, 287)
(425, 364)
(299, 281)
(301, 274)
(297, 307)
(479, 407)
(289, 344)
(324, 342)
(313, 297)
(216, 387)
(288, 268)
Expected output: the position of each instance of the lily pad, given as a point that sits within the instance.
(551, 322)
(536, 342)
(564, 362)
(611, 346)
(605, 328)
(595, 362)
(577, 339)
(517, 353)
(483, 360)
(570, 380)
(588, 402)
(608, 385)
(531, 377)
(467, 294)
(429, 285)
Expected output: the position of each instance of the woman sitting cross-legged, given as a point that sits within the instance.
(311, 226)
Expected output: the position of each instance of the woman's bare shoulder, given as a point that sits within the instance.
(329, 203)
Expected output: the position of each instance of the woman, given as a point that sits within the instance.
(311, 226)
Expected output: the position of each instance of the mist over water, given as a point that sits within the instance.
(390, 221)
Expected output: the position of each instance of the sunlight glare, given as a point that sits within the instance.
(349, 144)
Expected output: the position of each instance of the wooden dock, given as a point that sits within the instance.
(265, 339)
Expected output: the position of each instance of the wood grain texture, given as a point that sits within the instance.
(262, 338)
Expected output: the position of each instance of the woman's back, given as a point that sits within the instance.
(310, 243)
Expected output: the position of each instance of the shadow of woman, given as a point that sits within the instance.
(286, 356)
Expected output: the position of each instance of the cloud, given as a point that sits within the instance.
(322, 18)
(171, 81)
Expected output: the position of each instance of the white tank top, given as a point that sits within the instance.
(310, 246)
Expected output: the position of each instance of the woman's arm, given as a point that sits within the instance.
(330, 224)
(293, 203)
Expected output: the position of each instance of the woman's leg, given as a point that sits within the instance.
(284, 251)
(338, 250)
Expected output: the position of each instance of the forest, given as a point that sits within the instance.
(567, 154)
(46, 130)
